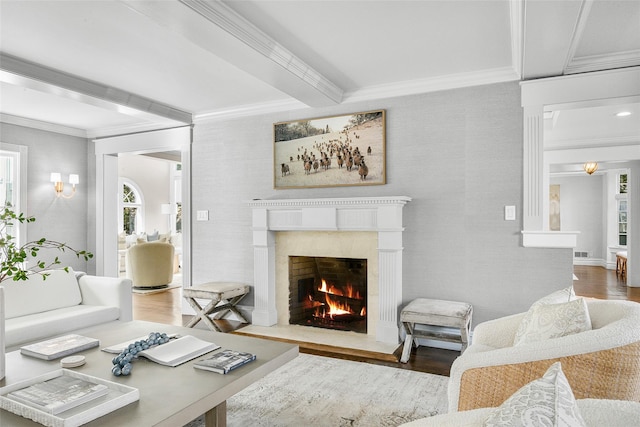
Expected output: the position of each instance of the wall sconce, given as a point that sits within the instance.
(59, 185)
(590, 167)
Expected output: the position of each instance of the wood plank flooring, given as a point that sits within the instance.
(594, 282)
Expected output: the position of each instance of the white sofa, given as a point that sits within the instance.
(40, 308)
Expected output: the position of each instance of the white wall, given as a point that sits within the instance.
(582, 204)
(457, 153)
(153, 178)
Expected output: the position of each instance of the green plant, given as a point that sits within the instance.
(14, 257)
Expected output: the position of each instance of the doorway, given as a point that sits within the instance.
(106, 211)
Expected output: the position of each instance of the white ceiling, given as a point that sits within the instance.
(96, 68)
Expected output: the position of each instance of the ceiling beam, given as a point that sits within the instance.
(16, 71)
(551, 31)
(216, 28)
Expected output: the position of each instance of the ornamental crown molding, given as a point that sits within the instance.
(329, 202)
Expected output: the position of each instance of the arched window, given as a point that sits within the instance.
(131, 219)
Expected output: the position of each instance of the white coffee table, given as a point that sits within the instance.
(168, 396)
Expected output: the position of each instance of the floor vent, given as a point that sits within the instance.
(581, 254)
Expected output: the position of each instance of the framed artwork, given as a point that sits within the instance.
(345, 150)
(554, 207)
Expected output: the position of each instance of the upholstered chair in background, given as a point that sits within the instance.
(150, 265)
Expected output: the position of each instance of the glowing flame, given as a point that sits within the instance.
(336, 308)
(348, 290)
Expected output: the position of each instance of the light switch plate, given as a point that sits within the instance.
(202, 216)
(509, 213)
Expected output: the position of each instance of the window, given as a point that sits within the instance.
(176, 191)
(623, 208)
(13, 184)
(8, 177)
(132, 214)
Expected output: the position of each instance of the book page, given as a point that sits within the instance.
(117, 348)
(178, 351)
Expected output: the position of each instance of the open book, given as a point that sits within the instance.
(178, 351)
(117, 348)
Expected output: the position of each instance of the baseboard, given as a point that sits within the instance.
(591, 262)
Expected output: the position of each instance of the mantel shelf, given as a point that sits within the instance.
(550, 239)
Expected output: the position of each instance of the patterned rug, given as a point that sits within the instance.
(321, 391)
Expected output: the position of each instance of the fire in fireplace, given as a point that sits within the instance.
(328, 292)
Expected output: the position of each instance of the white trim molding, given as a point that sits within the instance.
(577, 90)
(550, 239)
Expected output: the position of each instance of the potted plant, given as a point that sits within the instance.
(14, 258)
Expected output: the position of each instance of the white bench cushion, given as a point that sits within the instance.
(436, 312)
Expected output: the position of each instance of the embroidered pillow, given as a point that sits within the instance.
(556, 320)
(563, 295)
(547, 401)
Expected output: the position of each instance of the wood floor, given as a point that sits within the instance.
(594, 282)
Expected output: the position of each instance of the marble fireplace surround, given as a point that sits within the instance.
(381, 215)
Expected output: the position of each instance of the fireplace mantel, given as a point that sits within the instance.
(380, 214)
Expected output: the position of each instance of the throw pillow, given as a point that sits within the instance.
(563, 295)
(547, 401)
(556, 320)
(153, 236)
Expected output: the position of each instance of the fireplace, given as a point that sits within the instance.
(330, 227)
(328, 292)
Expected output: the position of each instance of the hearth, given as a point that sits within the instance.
(328, 292)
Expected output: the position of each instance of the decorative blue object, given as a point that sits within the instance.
(122, 362)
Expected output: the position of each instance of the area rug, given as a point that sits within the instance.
(321, 391)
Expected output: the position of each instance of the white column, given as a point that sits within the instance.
(264, 283)
(533, 157)
(264, 271)
(390, 285)
(633, 232)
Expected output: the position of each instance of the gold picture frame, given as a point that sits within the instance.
(332, 151)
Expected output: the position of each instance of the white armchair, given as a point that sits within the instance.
(603, 363)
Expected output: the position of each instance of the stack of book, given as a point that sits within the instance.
(56, 348)
(59, 394)
(224, 361)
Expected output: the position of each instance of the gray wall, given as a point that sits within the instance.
(63, 220)
(457, 153)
